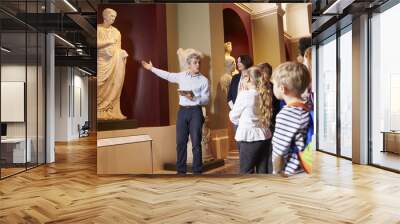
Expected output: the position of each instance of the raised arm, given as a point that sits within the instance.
(170, 77)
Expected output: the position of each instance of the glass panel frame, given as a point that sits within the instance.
(384, 84)
(345, 98)
(14, 74)
(27, 62)
(326, 104)
(338, 128)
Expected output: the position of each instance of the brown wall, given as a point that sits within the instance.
(143, 29)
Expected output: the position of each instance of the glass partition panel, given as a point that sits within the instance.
(32, 99)
(327, 96)
(41, 79)
(385, 89)
(14, 153)
(346, 94)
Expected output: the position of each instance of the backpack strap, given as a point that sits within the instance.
(310, 130)
(299, 104)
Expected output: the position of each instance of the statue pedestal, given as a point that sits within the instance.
(207, 165)
(108, 125)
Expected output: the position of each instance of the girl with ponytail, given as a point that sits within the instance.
(266, 69)
(252, 113)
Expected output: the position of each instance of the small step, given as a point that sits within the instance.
(233, 155)
(109, 125)
(208, 165)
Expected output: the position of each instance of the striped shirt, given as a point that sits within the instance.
(290, 130)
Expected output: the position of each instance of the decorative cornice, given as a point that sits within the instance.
(244, 7)
(276, 10)
(262, 13)
(296, 5)
(287, 35)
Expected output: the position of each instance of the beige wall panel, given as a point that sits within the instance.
(268, 40)
(219, 107)
(190, 26)
(164, 142)
(134, 158)
(173, 65)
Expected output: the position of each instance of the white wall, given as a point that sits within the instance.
(80, 111)
(61, 103)
(297, 20)
(33, 127)
(15, 73)
(71, 103)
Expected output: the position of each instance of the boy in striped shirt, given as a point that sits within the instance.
(290, 80)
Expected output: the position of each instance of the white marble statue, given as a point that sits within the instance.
(206, 139)
(228, 50)
(230, 69)
(183, 54)
(111, 62)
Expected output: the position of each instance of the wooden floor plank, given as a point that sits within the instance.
(69, 191)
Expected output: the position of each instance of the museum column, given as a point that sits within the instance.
(190, 26)
(50, 98)
(265, 47)
(360, 90)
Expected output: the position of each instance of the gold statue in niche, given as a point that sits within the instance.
(111, 62)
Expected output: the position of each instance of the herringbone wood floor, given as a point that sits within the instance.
(69, 191)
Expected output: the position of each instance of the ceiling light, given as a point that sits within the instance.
(84, 71)
(70, 5)
(338, 6)
(65, 41)
(5, 50)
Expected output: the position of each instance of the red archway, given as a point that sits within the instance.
(237, 30)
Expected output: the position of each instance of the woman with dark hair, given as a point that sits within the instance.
(243, 62)
(304, 44)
